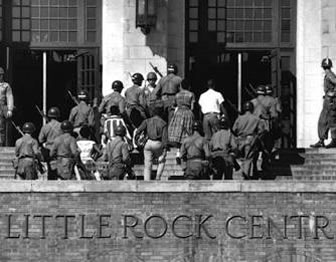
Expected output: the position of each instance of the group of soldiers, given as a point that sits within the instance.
(153, 120)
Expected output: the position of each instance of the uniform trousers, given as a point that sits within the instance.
(117, 171)
(322, 126)
(248, 148)
(195, 170)
(27, 168)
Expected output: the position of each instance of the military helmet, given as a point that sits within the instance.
(326, 63)
(261, 90)
(117, 85)
(120, 130)
(197, 126)
(28, 127)
(268, 89)
(248, 106)
(2, 71)
(66, 126)
(54, 112)
(224, 122)
(137, 78)
(151, 76)
(172, 68)
(82, 95)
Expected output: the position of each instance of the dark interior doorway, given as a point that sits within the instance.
(224, 69)
(28, 86)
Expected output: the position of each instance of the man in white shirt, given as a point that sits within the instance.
(212, 107)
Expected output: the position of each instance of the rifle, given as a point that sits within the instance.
(156, 69)
(232, 105)
(17, 128)
(73, 97)
(41, 113)
(253, 89)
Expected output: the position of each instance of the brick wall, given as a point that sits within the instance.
(167, 221)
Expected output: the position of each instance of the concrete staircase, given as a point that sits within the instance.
(293, 164)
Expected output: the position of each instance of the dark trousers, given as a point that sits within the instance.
(222, 168)
(2, 129)
(210, 125)
(195, 170)
(322, 126)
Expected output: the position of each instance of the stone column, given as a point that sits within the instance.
(309, 73)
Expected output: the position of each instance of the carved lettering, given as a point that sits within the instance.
(131, 226)
(253, 226)
(43, 220)
(165, 226)
(66, 223)
(227, 227)
(174, 224)
(321, 227)
(200, 224)
(82, 231)
(9, 225)
(102, 225)
(300, 226)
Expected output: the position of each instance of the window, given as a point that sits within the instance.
(193, 21)
(54, 20)
(217, 19)
(21, 21)
(91, 21)
(286, 17)
(249, 21)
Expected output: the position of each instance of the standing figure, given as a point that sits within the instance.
(6, 105)
(82, 114)
(248, 129)
(327, 119)
(113, 99)
(47, 136)
(182, 121)
(212, 107)
(156, 145)
(222, 147)
(28, 153)
(65, 151)
(195, 154)
(134, 101)
(166, 89)
(148, 97)
(117, 155)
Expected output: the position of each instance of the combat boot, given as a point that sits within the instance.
(332, 144)
(320, 143)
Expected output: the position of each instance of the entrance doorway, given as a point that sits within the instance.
(28, 86)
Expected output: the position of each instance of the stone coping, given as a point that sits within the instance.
(166, 186)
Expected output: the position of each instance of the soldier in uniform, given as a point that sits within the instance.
(156, 146)
(82, 114)
(148, 98)
(66, 152)
(6, 105)
(166, 89)
(28, 153)
(113, 99)
(195, 153)
(134, 101)
(222, 147)
(248, 129)
(117, 155)
(327, 119)
(47, 136)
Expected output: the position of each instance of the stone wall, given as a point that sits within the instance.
(309, 72)
(167, 221)
(126, 50)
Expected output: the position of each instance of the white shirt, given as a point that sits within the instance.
(85, 147)
(210, 101)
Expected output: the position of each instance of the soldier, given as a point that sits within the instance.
(222, 146)
(212, 107)
(327, 118)
(82, 114)
(166, 90)
(47, 136)
(6, 105)
(156, 146)
(117, 155)
(66, 152)
(248, 128)
(113, 99)
(195, 153)
(134, 101)
(148, 98)
(28, 153)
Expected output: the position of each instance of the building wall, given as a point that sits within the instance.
(126, 50)
(167, 221)
(309, 73)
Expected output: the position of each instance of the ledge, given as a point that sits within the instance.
(166, 186)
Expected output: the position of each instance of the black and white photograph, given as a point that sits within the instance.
(167, 130)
